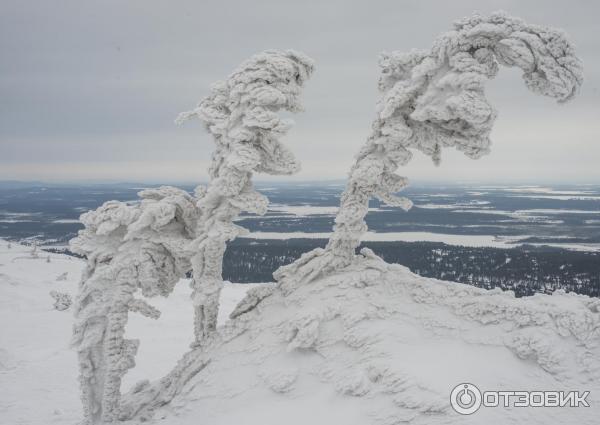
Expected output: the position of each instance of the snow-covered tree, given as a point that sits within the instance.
(128, 247)
(241, 115)
(432, 99)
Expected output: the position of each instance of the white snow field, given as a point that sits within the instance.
(373, 344)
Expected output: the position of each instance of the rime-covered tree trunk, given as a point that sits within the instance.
(207, 284)
(231, 178)
(118, 351)
(87, 338)
(106, 360)
(349, 222)
(372, 176)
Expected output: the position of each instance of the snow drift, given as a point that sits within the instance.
(376, 344)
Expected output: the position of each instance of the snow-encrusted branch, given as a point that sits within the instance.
(433, 99)
(128, 247)
(241, 114)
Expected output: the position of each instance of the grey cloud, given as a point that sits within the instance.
(100, 82)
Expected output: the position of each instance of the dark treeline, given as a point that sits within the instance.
(525, 270)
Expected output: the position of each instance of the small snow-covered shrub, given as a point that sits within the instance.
(62, 301)
(128, 248)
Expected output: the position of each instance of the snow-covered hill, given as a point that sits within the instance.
(376, 344)
(38, 369)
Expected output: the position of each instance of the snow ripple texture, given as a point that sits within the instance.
(377, 344)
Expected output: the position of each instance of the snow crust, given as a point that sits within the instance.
(376, 344)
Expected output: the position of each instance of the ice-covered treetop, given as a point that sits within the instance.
(244, 107)
(435, 98)
(165, 216)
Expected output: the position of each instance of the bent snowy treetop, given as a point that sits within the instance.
(243, 109)
(241, 113)
(436, 98)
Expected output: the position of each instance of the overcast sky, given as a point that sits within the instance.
(89, 89)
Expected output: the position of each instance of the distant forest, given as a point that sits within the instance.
(525, 270)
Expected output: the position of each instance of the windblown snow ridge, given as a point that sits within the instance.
(376, 344)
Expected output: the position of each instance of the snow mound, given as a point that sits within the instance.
(377, 344)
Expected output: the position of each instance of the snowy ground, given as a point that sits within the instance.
(377, 345)
(373, 345)
(38, 370)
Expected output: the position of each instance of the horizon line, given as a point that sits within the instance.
(412, 182)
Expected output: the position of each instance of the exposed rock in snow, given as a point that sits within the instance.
(375, 344)
(433, 99)
(241, 115)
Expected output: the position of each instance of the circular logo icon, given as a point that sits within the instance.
(465, 398)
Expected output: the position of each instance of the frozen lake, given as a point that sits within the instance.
(467, 214)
